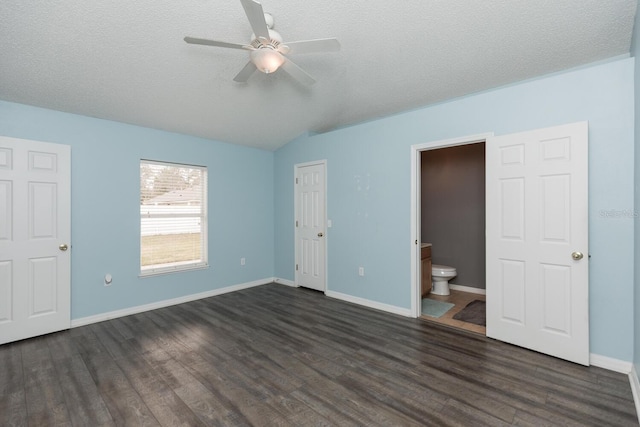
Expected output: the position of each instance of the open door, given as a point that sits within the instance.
(35, 231)
(537, 240)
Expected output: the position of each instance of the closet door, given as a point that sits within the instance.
(310, 195)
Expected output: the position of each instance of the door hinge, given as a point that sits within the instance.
(296, 180)
(296, 222)
(296, 267)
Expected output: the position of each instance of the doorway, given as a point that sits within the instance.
(451, 174)
(453, 234)
(416, 215)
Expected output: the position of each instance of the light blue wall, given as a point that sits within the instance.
(368, 178)
(105, 185)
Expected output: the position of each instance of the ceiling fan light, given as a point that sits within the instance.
(266, 59)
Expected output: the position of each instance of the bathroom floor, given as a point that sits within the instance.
(460, 299)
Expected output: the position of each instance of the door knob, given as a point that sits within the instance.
(320, 234)
(577, 256)
(63, 247)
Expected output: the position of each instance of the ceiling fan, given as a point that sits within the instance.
(267, 51)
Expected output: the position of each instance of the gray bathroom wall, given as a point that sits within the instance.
(453, 210)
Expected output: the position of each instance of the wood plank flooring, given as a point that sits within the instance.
(279, 356)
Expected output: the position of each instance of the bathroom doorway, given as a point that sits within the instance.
(544, 308)
(453, 223)
(449, 209)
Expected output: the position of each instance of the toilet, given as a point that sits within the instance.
(440, 276)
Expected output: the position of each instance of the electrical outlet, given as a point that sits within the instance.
(243, 261)
(361, 271)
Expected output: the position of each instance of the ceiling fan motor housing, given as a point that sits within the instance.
(274, 36)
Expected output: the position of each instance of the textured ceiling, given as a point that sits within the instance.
(126, 60)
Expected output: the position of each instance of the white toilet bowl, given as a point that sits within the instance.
(440, 276)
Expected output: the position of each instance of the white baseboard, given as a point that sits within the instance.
(468, 289)
(610, 364)
(635, 389)
(371, 304)
(166, 303)
(285, 282)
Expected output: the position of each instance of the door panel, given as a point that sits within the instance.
(555, 286)
(6, 208)
(42, 210)
(537, 294)
(34, 221)
(555, 221)
(512, 207)
(512, 298)
(310, 229)
(42, 285)
(6, 299)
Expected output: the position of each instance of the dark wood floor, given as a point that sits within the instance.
(274, 355)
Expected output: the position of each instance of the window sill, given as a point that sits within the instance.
(159, 271)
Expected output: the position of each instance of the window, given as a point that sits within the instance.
(173, 217)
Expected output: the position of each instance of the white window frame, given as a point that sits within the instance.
(158, 269)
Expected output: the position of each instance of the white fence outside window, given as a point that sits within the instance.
(179, 222)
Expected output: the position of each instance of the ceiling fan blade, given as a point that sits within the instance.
(312, 46)
(193, 40)
(255, 14)
(297, 72)
(245, 73)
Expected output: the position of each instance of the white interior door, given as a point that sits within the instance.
(310, 226)
(35, 231)
(537, 240)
